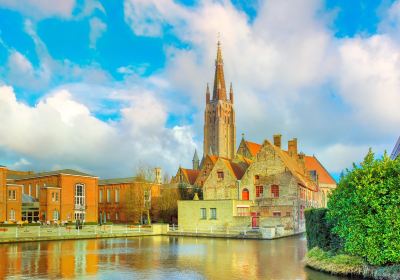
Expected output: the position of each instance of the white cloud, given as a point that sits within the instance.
(97, 28)
(41, 8)
(290, 74)
(61, 132)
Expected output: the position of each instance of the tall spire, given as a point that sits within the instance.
(207, 94)
(219, 92)
(196, 161)
(231, 94)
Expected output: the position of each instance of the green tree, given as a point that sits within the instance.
(365, 208)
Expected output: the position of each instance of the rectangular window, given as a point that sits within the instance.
(12, 194)
(220, 175)
(56, 215)
(259, 191)
(117, 196)
(37, 191)
(101, 196)
(108, 195)
(276, 214)
(116, 216)
(203, 213)
(213, 213)
(56, 196)
(243, 211)
(30, 190)
(275, 191)
(23, 189)
(12, 215)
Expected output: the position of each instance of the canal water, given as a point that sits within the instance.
(158, 257)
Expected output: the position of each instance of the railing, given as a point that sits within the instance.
(70, 230)
(231, 230)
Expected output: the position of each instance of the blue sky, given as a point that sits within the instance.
(89, 82)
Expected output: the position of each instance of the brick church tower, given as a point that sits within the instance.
(219, 116)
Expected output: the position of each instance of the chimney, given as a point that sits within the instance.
(157, 173)
(302, 161)
(292, 147)
(278, 140)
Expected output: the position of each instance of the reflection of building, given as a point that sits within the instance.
(63, 259)
(279, 183)
(63, 195)
(396, 150)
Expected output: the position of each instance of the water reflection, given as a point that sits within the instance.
(158, 258)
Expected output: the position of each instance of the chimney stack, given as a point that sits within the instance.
(292, 147)
(278, 140)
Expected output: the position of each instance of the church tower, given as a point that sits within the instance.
(219, 116)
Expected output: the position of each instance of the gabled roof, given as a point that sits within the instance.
(213, 158)
(241, 158)
(294, 167)
(312, 163)
(17, 176)
(191, 175)
(236, 169)
(254, 148)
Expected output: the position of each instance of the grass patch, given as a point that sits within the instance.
(342, 264)
(336, 264)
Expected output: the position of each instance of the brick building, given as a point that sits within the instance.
(125, 199)
(62, 195)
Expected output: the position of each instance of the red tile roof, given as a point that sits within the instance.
(324, 177)
(191, 174)
(254, 148)
(237, 170)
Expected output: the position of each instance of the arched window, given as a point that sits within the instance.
(79, 195)
(245, 194)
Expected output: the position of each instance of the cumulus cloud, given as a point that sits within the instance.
(290, 73)
(41, 8)
(60, 131)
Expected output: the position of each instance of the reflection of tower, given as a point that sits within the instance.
(219, 116)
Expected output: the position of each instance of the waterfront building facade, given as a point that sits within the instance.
(62, 195)
(274, 185)
(127, 200)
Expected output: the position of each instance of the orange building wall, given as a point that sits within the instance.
(64, 185)
(3, 194)
(113, 207)
(68, 183)
(15, 204)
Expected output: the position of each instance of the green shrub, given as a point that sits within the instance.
(319, 231)
(365, 208)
